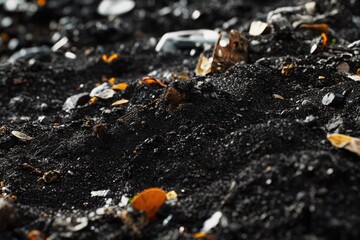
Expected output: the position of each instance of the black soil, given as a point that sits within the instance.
(232, 146)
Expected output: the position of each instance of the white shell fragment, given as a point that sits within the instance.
(354, 77)
(99, 89)
(212, 222)
(257, 28)
(115, 7)
(106, 94)
(21, 136)
(99, 193)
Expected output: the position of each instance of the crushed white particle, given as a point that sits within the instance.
(99, 193)
(70, 55)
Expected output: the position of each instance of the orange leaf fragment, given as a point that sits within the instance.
(358, 72)
(120, 86)
(93, 100)
(112, 81)
(41, 3)
(149, 201)
(109, 59)
(202, 235)
(183, 77)
(119, 102)
(325, 39)
(322, 27)
(343, 141)
(153, 82)
(36, 235)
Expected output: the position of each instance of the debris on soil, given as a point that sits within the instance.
(174, 97)
(258, 27)
(21, 136)
(75, 100)
(36, 235)
(343, 141)
(120, 102)
(153, 82)
(50, 176)
(236, 50)
(333, 99)
(149, 201)
(99, 130)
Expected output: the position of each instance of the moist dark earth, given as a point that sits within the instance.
(262, 160)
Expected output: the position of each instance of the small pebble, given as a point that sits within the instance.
(329, 171)
(333, 99)
(115, 7)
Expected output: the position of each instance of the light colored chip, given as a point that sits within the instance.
(21, 136)
(120, 102)
(354, 77)
(203, 66)
(106, 94)
(277, 96)
(257, 28)
(115, 7)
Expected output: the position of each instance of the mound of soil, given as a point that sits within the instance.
(249, 143)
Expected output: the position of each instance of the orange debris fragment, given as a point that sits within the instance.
(93, 100)
(201, 235)
(322, 27)
(109, 59)
(112, 81)
(149, 201)
(41, 3)
(153, 82)
(325, 39)
(120, 86)
(183, 77)
(36, 235)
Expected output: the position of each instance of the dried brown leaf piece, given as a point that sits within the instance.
(3, 129)
(203, 67)
(174, 97)
(21, 136)
(236, 50)
(99, 130)
(343, 141)
(288, 70)
(28, 167)
(50, 176)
